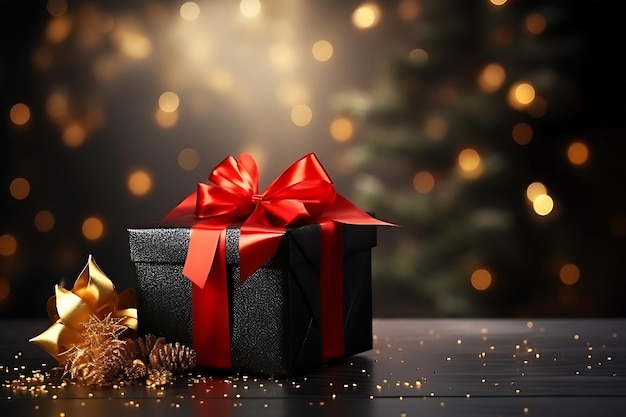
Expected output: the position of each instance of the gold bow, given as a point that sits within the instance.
(93, 294)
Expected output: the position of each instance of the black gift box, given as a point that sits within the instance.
(275, 313)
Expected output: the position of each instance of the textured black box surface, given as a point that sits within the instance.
(274, 314)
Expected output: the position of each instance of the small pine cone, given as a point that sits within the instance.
(136, 371)
(173, 357)
(144, 347)
(158, 377)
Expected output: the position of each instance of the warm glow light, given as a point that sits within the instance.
(56, 7)
(292, 93)
(8, 245)
(219, 80)
(322, 50)
(250, 8)
(423, 182)
(543, 204)
(5, 289)
(569, 274)
(301, 115)
(408, 9)
(74, 135)
(93, 228)
(522, 133)
(436, 128)
(139, 182)
(535, 189)
(366, 15)
(57, 30)
(419, 56)
(535, 23)
(19, 114)
(56, 106)
(577, 153)
(132, 43)
(498, 2)
(164, 119)
(521, 95)
(341, 129)
(19, 188)
(491, 78)
(189, 10)
(282, 56)
(481, 279)
(188, 159)
(469, 160)
(169, 101)
(44, 221)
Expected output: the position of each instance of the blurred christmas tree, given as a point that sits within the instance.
(441, 147)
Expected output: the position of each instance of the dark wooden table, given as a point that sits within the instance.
(468, 367)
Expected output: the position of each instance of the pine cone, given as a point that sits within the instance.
(144, 346)
(136, 371)
(173, 357)
(158, 377)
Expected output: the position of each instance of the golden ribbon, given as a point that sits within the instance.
(93, 294)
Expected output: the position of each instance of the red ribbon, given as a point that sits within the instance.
(302, 194)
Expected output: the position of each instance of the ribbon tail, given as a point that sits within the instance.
(257, 245)
(203, 244)
(188, 205)
(344, 211)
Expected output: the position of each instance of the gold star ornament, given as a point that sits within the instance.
(93, 294)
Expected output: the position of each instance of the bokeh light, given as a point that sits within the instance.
(522, 133)
(418, 55)
(569, 274)
(58, 29)
(470, 163)
(8, 244)
(93, 228)
(481, 279)
(19, 114)
(543, 204)
(366, 16)
(322, 50)
(190, 10)
(5, 289)
(301, 115)
(491, 78)
(535, 23)
(44, 221)
(165, 119)
(408, 9)
(423, 182)
(341, 129)
(188, 159)
(578, 153)
(169, 101)
(250, 8)
(521, 95)
(19, 188)
(435, 128)
(498, 2)
(534, 190)
(56, 7)
(139, 182)
(56, 106)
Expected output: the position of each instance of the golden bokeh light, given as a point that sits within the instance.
(165, 119)
(522, 133)
(543, 204)
(132, 42)
(93, 228)
(5, 289)
(366, 15)
(56, 7)
(322, 50)
(469, 160)
(282, 56)
(535, 189)
(8, 245)
(498, 2)
(491, 78)
(44, 221)
(58, 29)
(481, 279)
(578, 153)
(19, 114)
(419, 56)
(569, 274)
(139, 182)
(408, 9)
(189, 10)
(250, 8)
(74, 135)
(19, 188)
(535, 23)
(169, 102)
(436, 128)
(423, 182)
(342, 129)
(290, 93)
(521, 95)
(188, 159)
(56, 106)
(219, 80)
(301, 115)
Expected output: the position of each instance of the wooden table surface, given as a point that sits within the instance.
(435, 367)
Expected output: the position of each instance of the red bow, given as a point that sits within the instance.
(302, 194)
